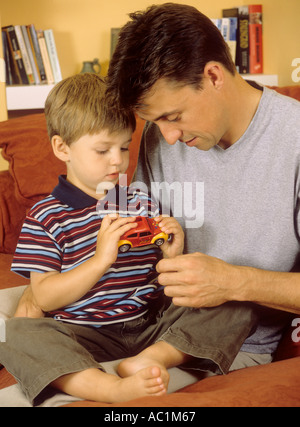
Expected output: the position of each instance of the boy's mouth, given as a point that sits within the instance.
(113, 176)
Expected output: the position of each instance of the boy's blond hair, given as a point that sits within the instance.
(77, 106)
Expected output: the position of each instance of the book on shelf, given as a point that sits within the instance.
(31, 31)
(255, 39)
(228, 28)
(45, 56)
(249, 53)
(19, 75)
(30, 56)
(52, 52)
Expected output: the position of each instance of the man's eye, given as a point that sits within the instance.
(173, 118)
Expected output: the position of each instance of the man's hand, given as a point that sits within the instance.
(198, 280)
(27, 306)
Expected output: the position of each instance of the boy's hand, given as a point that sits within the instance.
(169, 225)
(112, 228)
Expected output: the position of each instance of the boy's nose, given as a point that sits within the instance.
(116, 158)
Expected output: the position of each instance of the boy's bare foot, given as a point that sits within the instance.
(145, 382)
(161, 354)
(131, 366)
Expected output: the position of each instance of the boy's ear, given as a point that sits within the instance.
(60, 148)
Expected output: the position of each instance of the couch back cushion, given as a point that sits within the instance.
(11, 216)
(32, 164)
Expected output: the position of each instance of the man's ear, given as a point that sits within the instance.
(60, 148)
(215, 73)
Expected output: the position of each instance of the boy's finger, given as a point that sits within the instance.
(123, 221)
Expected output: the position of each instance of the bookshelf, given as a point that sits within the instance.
(31, 97)
(32, 61)
(263, 79)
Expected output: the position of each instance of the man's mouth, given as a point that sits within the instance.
(190, 142)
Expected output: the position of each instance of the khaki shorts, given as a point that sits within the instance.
(38, 351)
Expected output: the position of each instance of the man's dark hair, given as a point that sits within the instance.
(171, 41)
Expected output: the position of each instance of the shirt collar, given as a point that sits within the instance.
(71, 195)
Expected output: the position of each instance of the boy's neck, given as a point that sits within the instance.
(89, 191)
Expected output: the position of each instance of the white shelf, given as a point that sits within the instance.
(30, 97)
(264, 79)
(34, 97)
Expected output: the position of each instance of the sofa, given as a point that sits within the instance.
(32, 174)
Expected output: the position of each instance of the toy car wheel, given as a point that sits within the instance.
(124, 248)
(159, 242)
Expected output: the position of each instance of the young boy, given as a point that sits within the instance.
(100, 305)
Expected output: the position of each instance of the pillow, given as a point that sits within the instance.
(11, 215)
(9, 299)
(32, 164)
(292, 91)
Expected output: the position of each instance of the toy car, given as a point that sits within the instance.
(147, 232)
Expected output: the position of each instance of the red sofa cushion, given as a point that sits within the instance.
(273, 385)
(11, 216)
(32, 164)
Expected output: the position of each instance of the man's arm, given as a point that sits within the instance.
(27, 306)
(198, 280)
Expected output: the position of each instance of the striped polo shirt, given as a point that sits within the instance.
(60, 232)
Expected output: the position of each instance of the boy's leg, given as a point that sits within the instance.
(93, 384)
(204, 339)
(43, 352)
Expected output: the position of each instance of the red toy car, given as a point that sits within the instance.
(146, 233)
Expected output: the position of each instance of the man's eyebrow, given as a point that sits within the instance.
(162, 116)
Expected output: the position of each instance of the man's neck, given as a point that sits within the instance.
(243, 102)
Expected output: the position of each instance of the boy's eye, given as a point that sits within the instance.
(101, 152)
(125, 149)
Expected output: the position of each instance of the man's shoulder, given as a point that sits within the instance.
(284, 104)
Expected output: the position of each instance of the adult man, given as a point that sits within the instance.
(174, 69)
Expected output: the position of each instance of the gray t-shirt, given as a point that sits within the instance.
(240, 204)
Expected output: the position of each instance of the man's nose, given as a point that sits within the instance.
(170, 133)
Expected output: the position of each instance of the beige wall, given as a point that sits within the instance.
(82, 28)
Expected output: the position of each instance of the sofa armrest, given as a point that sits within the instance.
(12, 214)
